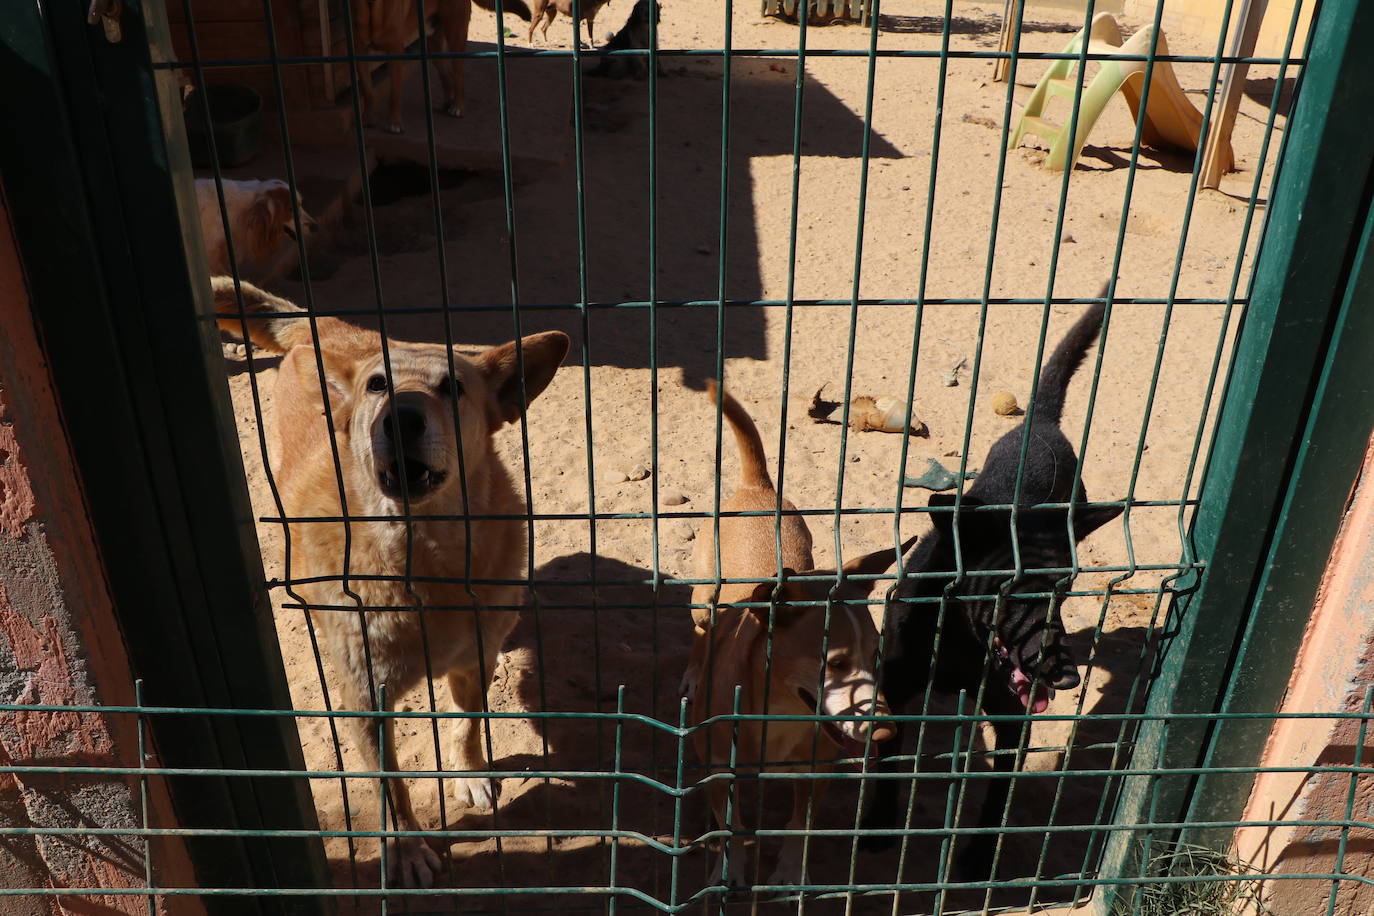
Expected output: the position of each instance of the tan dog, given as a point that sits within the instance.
(398, 454)
(261, 224)
(388, 25)
(807, 661)
(549, 10)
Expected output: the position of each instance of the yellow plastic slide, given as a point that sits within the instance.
(1171, 121)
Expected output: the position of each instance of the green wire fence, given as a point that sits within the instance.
(609, 811)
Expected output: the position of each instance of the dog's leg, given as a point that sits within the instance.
(410, 863)
(732, 872)
(476, 791)
(791, 860)
(362, 32)
(884, 811)
(457, 19)
(369, 97)
(691, 676)
(591, 29)
(536, 13)
(975, 862)
(904, 676)
(549, 15)
(399, 69)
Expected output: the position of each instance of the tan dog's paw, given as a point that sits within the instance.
(477, 792)
(412, 863)
(452, 109)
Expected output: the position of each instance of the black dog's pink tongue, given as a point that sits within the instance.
(1034, 696)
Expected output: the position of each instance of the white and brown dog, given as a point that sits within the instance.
(820, 661)
(398, 453)
(260, 222)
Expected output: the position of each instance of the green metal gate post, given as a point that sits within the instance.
(88, 181)
(1331, 449)
(1288, 443)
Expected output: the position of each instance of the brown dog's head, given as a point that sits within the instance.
(270, 223)
(845, 676)
(399, 408)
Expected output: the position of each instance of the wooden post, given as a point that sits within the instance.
(1012, 11)
(1232, 84)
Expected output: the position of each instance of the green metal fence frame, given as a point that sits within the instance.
(89, 171)
(176, 529)
(1279, 476)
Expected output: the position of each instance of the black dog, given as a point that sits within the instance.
(1017, 641)
(633, 36)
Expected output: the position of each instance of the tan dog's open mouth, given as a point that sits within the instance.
(849, 747)
(419, 479)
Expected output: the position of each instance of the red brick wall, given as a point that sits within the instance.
(1334, 666)
(59, 645)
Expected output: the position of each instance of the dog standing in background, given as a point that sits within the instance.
(409, 558)
(260, 222)
(387, 26)
(549, 9)
(633, 36)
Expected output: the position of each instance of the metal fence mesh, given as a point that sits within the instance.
(784, 207)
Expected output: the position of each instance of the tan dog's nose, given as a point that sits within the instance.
(410, 421)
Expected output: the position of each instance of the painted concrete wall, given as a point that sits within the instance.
(59, 645)
(1334, 666)
(1203, 19)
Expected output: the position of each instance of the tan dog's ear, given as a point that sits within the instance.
(340, 372)
(542, 354)
(283, 220)
(763, 593)
(872, 564)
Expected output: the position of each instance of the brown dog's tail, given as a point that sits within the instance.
(753, 471)
(517, 7)
(265, 315)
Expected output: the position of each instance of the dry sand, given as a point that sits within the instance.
(594, 422)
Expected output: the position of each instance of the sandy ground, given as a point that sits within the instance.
(579, 642)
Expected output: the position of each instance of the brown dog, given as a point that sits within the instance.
(398, 457)
(389, 25)
(549, 10)
(816, 652)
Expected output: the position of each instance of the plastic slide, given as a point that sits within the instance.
(1171, 121)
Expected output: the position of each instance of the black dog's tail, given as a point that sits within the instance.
(1065, 360)
(517, 7)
